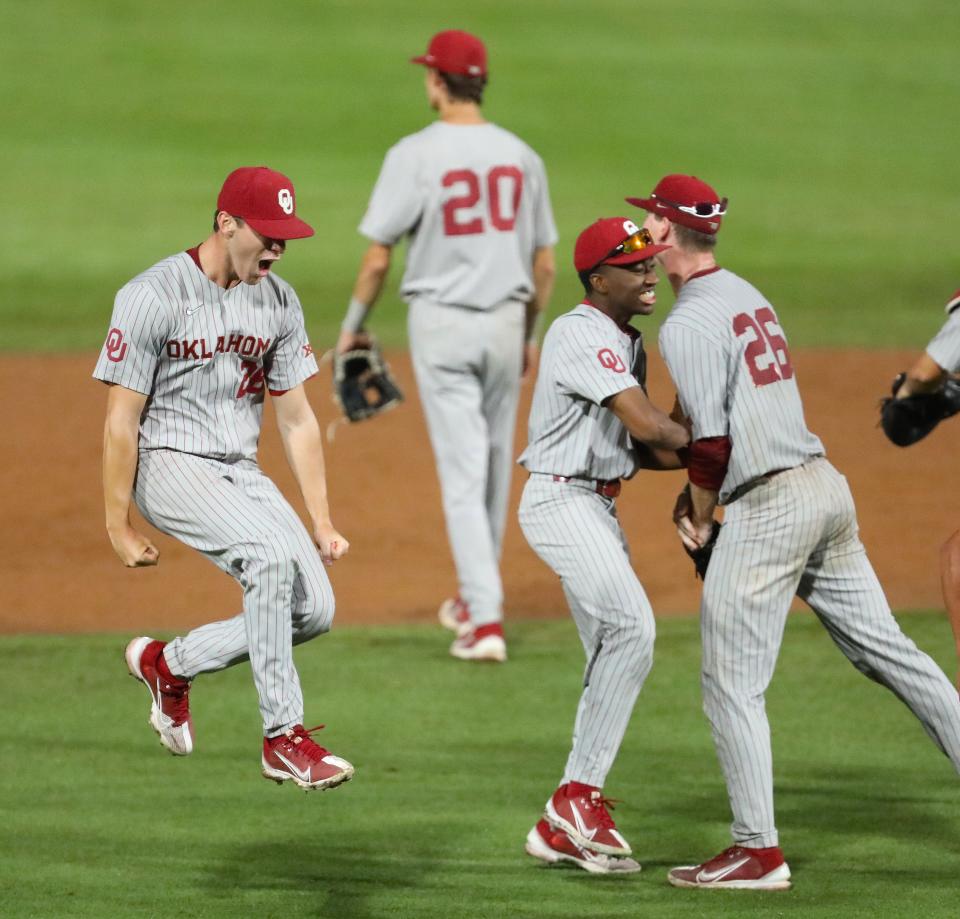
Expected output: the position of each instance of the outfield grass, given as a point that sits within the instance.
(453, 764)
(830, 126)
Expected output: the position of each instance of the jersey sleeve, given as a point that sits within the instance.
(395, 204)
(698, 368)
(945, 346)
(588, 366)
(139, 328)
(544, 227)
(291, 360)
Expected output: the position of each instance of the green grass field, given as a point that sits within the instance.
(453, 765)
(830, 126)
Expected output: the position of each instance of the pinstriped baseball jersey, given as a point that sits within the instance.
(473, 200)
(728, 358)
(586, 359)
(204, 355)
(944, 348)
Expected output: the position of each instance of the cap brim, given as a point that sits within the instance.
(646, 203)
(288, 228)
(425, 59)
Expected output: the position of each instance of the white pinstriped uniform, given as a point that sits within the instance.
(586, 359)
(205, 357)
(944, 348)
(473, 203)
(794, 532)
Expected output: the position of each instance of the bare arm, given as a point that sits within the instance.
(121, 436)
(658, 460)
(645, 421)
(950, 582)
(374, 267)
(544, 274)
(303, 446)
(924, 375)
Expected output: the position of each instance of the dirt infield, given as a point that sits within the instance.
(61, 575)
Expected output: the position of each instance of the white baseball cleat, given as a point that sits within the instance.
(737, 868)
(169, 700)
(482, 643)
(554, 846)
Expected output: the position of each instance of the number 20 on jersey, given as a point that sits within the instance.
(766, 354)
(502, 206)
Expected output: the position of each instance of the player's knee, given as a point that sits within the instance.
(315, 615)
(638, 636)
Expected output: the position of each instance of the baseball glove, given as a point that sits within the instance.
(905, 421)
(702, 555)
(362, 384)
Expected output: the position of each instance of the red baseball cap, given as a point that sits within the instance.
(454, 51)
(264, 199)
(686, 200)
(596, 243)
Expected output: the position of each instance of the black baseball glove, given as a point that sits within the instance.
(702, 555)
(362, 384)
(905, 421)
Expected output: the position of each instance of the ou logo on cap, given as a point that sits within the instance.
(630, 227)
(285, 200)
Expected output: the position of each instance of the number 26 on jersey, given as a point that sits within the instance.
(503, 186)
(766, 354)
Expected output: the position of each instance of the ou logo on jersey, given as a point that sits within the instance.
(611, 361)
(285, 200)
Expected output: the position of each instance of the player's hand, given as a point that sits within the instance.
(348, 341)
(133, 548)
(330, 543)
(531, 360)
(694, 535)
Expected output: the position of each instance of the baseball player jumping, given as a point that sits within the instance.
(923, 396)
(472, 201)
(195, 343)
(591, 425)
(789, 528)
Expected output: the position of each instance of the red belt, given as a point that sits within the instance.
(609, 488)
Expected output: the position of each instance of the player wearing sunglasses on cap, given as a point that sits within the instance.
(790, 528)
(591, 425)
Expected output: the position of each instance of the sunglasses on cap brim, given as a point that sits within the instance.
(703, 209)
(635, 243)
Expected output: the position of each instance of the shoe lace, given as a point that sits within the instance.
(603, 806)
(306, 744)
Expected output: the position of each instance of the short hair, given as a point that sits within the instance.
(694, 240)
(585, 278)
(464, 88)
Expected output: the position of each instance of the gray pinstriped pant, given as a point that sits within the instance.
(467, 363)
(577, 533)
(796, 534)
(237, 517)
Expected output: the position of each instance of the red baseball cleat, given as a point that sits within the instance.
(737, 868)
(584, 816)
(294, 755)
(169, 700)
(554, 846)
(454, 615)
(482, 643)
